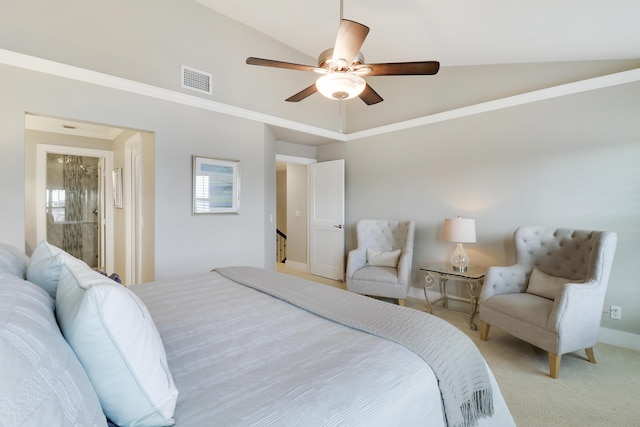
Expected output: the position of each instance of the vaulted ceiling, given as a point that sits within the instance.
(489, 51)
(493, 54)
(455, 32)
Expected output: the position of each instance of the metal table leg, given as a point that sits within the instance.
(473, 288)
(430, 281)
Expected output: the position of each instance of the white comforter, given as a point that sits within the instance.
(243, 358)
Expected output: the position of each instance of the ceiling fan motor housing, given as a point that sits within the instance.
(325, 60)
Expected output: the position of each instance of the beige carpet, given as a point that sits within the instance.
(586, 395)
(604, 394)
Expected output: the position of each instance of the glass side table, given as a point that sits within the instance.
(441, 273)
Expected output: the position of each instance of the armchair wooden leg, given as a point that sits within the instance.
(590, 355)
(554, 364)
(401, 302)
(484, 331)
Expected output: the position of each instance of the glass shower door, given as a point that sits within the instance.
(73, 192)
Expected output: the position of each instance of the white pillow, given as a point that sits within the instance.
(112, 332)
(13, 261)
(544, 285)
(44, 266)
(383, 259)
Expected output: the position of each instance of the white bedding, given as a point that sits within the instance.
(240, 357)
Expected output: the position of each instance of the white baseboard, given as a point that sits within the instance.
(419, 293)
(619, 338)
(301, 266)
(605, 335)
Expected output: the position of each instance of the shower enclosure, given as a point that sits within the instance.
(73, 205)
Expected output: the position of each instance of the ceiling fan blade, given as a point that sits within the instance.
(370, 96)
(398, 68)
(349, 40)
(303, 94)
(279, 64)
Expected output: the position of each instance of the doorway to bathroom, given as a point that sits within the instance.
(74, 206)
(90, 189)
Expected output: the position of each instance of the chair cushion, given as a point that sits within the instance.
(382, 258)
(527, 307)
(377, 274)
(112, 332)
(544, 285)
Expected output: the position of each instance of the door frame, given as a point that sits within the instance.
(133, 218)
(106, 222)
(282, 158)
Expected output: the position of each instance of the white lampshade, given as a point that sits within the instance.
(460, 230)
(340, 85)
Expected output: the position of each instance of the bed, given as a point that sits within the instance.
(238, 346)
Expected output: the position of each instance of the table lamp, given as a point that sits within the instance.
(459, 230)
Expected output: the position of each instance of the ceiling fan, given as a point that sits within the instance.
(343, 67)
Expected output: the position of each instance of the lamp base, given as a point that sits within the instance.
(459, 259)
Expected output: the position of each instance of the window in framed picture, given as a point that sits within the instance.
(216, 185)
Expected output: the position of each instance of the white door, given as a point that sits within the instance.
(326, 219)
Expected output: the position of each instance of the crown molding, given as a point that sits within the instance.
(54, 68)
(72, 72)
(608, 80)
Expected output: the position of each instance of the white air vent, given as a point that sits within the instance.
(196, 80)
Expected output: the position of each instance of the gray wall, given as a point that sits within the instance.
(297, 212)
(145, 43)
(281, 200)
(567, 162)
(184, 243)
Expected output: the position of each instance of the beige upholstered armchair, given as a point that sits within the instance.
(381, 264)
(553, 296)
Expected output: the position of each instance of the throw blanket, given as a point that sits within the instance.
(461, 371)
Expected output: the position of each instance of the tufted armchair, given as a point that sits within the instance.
(381, 264)
(553, 296)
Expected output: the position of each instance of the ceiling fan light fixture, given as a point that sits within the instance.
(340, 85)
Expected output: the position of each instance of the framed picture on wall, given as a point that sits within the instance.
(216, 185)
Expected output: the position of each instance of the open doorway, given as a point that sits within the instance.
(70, 209)
(310, 216)
(292, 211)
(124, 240)
(73, 205)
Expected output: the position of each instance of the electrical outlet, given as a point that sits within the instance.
(615, 312)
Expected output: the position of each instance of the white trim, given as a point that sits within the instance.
(80, 74)
(292, 159)
(510, 101)
(46, 66)
(418, 293)
(619, 338)
(133, 218)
